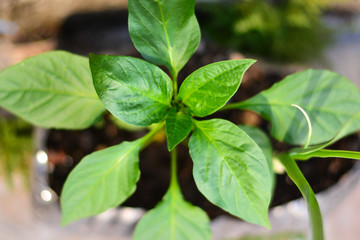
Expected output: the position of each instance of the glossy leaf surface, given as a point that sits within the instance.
(165, 32)
(174, 219)
(178, 126)
(263, 141)
(133, 90)
(102, 180)
(52, 90)
(209, 88)
(329, 99)
(231, 170)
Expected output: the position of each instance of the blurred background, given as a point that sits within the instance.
(284, 35)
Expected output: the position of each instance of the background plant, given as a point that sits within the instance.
(16, 149)
(275, 30)
(232, 164)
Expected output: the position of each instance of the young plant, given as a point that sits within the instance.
(232, 164)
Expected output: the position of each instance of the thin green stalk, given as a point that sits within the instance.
(298, 178)
(175, 84)
(308, 123)
(146, 140)
(232, 106)
(326, 153)
(174, 181)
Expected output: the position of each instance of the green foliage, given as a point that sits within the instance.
(178, 126)
(326, 153)
(232, 165)
(295, 174)
(351, 126)
(173, 219)
(224, 155)
(209, 88)
(164, 32)
(133, 90)
(263, 141)
(286, 30)
(51, 90)
(329, 100)
(102, 180)
(16, 149)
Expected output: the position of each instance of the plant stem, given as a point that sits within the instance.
(174, 181)
(146, 139)
(298, 178)
(238, 105)
(326, 153)
(175, 84)
(308, 123)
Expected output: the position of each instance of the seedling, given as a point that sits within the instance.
(232, 164)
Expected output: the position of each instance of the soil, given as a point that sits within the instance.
(67, 148)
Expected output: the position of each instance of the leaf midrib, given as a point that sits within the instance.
(207, 81)
(64, 93)
(135, 89)
(93, 187)
(237, 180)
(169, 48)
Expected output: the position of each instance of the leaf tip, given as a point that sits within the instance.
(266, 223)
(170, 147)
(64, 220)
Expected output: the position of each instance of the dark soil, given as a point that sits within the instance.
(66, 148)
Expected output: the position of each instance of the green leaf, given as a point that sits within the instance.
(174, 219)
(231, 170)
(209, 88)
(263, 141)
(178, 126)
(298, 178)
(165, 32)
(351, 126)
(329, 99)
(52, 90)
(102, 180)
(133, 90)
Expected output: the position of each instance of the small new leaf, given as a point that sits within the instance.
(164, 32)
(231, 170)
(133, 90)
(178, 126)
(51, 90)
(174, 219)
(102, 180)
(209, 88)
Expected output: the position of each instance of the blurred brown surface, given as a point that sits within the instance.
(12, 53)
(37, 19)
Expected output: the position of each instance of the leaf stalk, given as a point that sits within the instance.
(174, 181)
(298, 178)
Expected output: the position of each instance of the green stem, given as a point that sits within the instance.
(326, 153)
(231, 106)
(298, 178)
(308, 123)
(146, 140)
(174, 181)
(175, 83)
